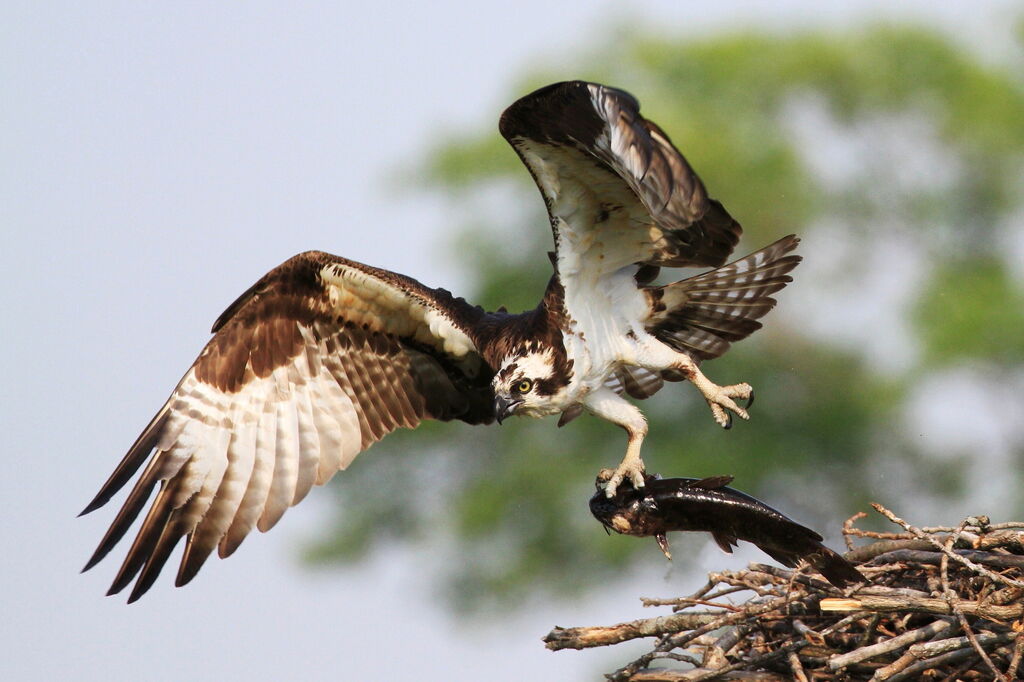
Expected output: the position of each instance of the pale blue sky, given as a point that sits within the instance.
(157, 159)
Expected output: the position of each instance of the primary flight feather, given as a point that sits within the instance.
(324, 356)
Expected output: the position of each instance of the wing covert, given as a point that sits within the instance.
(313, 364)
(614, 178)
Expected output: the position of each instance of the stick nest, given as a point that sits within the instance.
(944, 603)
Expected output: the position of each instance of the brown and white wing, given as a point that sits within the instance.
(617, 190)
(318, 360)
(704, 314)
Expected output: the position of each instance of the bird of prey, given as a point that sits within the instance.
(324, 356)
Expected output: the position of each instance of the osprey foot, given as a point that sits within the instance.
(609, 480)
(720, 399)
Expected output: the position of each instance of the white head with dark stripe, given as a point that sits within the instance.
(532, 381)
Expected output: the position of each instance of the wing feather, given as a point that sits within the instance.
(214, 525)
(154, 435)
(704, 314)
(186, 518)
(286, 467)
(145, 540)
(311, 365)
(255, 498)
(309, 443)
(640, 383)
(617, 189)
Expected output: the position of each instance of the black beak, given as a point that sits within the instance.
(504, 407)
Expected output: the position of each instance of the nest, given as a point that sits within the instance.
(944, 603)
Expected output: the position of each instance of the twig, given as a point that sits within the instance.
(954, 604)
(933, 558)
(720, 647)
(683, 638)
(890, 645)
(885, 604)
(899, 665)
(660, 675)
(958, 671)
(937, 662)
(685, 658)
(935, 543)
(931, 607)
(941, 646)
(586, 637)
(988, 526)
(1018, 652)
(869, 552)
(794, 577)
(849, 531)
(1012, 540)
(798, 669)
(913, 672)
(756, 661)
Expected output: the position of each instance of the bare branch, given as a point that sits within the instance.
(890, 645)
(935, 605)
(938, 545)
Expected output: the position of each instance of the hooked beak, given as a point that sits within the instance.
(504, 407)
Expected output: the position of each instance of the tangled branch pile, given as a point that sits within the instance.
(943, 604)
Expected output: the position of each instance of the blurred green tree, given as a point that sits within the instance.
(891, 150)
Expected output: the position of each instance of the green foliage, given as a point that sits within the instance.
(509, 503)
(972, 310)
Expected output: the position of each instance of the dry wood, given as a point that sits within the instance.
(585, 637)
(941, 646)
(902, 603)
(945, 550)
(947, 601)
(888, 646)
(933, 558)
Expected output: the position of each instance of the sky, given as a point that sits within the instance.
(159, 158)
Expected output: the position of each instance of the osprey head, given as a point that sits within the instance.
(531, 382)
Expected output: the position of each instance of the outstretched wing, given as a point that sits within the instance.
(616, 189)
(318, 360)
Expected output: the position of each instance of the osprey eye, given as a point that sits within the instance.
(524, 386)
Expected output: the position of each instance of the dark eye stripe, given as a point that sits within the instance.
(548, 387)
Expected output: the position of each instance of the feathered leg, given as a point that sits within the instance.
(698, 319)
(608, 405)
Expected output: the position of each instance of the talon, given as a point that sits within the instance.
(611, 487)
(634, 473)
(637, 477)
(718, 414)
(720, 400)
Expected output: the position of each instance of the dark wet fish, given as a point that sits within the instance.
(706, 504)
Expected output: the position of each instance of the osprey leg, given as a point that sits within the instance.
(657, 356)
(612, 407)
(719, 398)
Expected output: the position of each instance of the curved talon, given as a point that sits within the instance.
(721, 401)
(639, 477)
(613, 480)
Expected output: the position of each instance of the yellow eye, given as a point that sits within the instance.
(524, 386)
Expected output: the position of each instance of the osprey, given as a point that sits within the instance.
(324, 356)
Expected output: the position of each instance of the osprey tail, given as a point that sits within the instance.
(702, 315)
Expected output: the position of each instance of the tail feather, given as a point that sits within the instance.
(704, 314)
